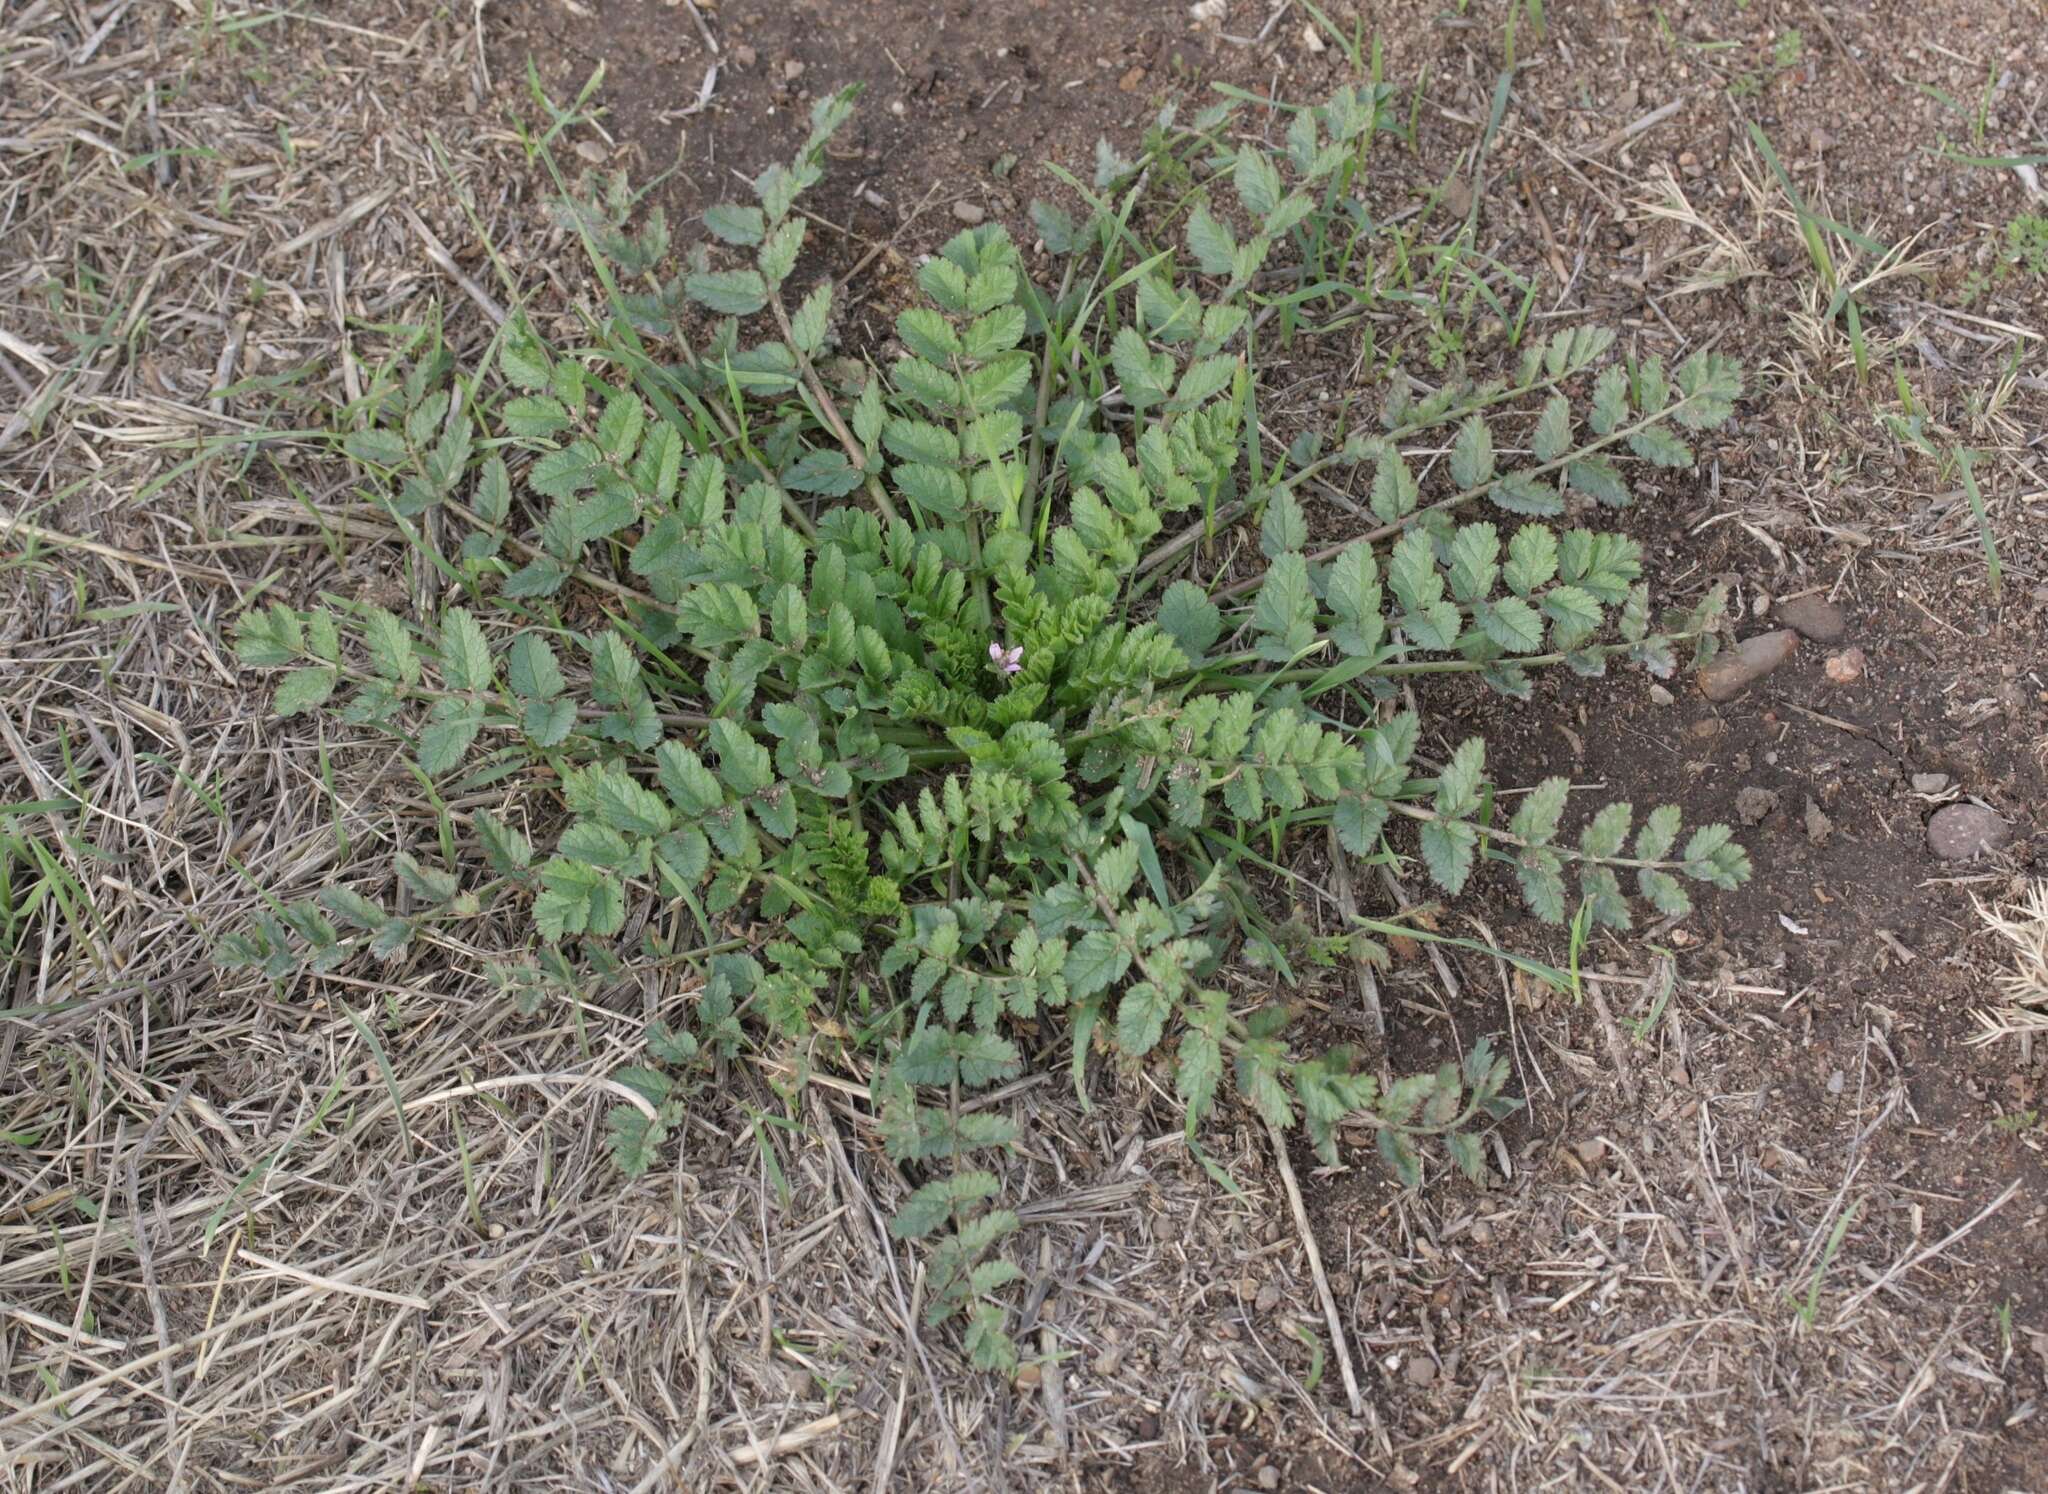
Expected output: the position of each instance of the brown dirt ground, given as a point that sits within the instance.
(227, 1292)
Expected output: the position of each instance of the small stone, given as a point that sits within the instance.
(1727, 675)
(1710, 727)
(1837, 1081)
(1482, 1233)
(1846, 668)
(1818, 826)
(792, 70)
(1959, 831)
(898, 108)
(1130, 80)
(1312, 39)
(969, 212)
(1269, 1477)
(745, 55)
(1929, 783)
(1420, 1369)
(1755, 805)
(1661, 696)
(1814, 617)
(1028, 1376)
(1269, 1297)
(1591, 1151)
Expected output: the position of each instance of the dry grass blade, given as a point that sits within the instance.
(2023, 925)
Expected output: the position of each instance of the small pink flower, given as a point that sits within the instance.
(1005, 660)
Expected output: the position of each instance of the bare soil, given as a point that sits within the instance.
(1662, 1293)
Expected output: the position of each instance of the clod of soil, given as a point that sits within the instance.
(1813, 617)
(1729, 674)
(1846, 668)
(1959, 831)
(1755, 805)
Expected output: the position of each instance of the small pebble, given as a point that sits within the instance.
(1269, 1477)
(1836, 1082)
(1818, 826)
(1269, 1297)
(1929, 783)
(1959, 831)
(1028, 1376)
(1846, 668)
(792, 70)
(1814, 617)
(1592, 1150)
(1730, 673)
(1421, 1370)
(969, 212)
(1661, 696)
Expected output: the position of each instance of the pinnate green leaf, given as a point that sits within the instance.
(1472, 454)
(465, 655)
(1095, 962)
(304, 690)
(1146, 377)
(1541, 873)
(1212, 244)
(1285, 612)
(1353, 590)
(1608, 831)
(727, 292)
(1284, 528)
(1449, 848)
(1599, 480)
(1553, 437)
(1537, 819)
(1193, 621)
(1655, 444)
(736, 224)
(1511, 624)
(1141, 1018)
(1658, 833)
(1394, 490)
(451, 726)
(1532, 559)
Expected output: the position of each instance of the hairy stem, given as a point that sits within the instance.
(827, 408)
